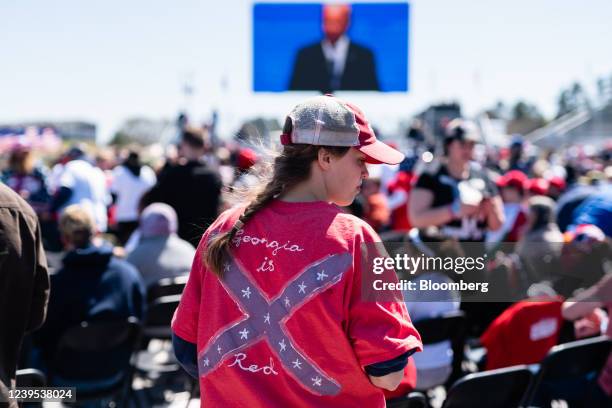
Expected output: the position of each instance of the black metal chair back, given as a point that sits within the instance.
(167, 287)
(159, 317)
(412, 400)
(502, 388)
(30, 377)
(96, 358)
(567, 363)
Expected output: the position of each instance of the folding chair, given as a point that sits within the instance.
(412, 400)
(451, 327)
(167, 287)
(30, 377)
(567, 369)
(96, 359)
(502, 388)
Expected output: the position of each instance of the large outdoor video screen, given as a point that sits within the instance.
(331, 47)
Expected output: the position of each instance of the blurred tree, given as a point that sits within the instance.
(601, 89)
(258, 129)
(120, 139)
(572, 99)
(144, 131)
(604, 90)
(564, 103)
(525, 118)
(520, 111)
(581, 99)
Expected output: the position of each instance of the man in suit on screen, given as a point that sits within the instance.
(336, 62)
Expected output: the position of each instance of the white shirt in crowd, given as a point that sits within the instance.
(434, 364)
(88, 185)
(129, 190)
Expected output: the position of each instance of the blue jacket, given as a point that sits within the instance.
(91, 285)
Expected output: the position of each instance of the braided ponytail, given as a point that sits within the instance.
(290, 168)
(217, 249)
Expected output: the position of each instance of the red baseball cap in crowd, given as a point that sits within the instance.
(513, 178)
(537, 186)
(558, 183)
(328, 121)
(246, 158)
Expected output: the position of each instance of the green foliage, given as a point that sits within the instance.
(120, 139)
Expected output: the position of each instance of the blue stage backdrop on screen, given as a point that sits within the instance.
(287, 51)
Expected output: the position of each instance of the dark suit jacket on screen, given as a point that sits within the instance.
(310, 70)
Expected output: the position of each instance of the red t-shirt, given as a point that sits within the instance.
(399, 216)
(515, 233)
(523, 333)
(286, 327)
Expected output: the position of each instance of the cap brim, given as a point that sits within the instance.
(501, 183)
(379, 152)
(466, 138)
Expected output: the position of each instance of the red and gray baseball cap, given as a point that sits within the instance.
(328, 121)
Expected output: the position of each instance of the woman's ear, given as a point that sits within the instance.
(324, 159)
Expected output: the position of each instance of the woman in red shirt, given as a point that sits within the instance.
(273, 307)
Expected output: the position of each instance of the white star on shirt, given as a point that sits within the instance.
(316, 381)
(321, 275)
(206, 362)
(219, 349)
(226, 267)
(246, 293)
(302, 288)
(267, 318)
(297, 364)
(244, 334)
(287, 301)
(282, 345)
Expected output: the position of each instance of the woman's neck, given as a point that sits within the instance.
(303, 192)
(458, 170)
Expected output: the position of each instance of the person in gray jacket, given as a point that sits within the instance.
(160, 253)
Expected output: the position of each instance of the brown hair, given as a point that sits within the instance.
(289, 168)
(76, 225)
(194, 137)
(21, 162)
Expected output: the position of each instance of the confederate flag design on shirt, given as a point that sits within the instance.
(285, 325)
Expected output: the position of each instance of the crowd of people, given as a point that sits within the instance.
(116, 220)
